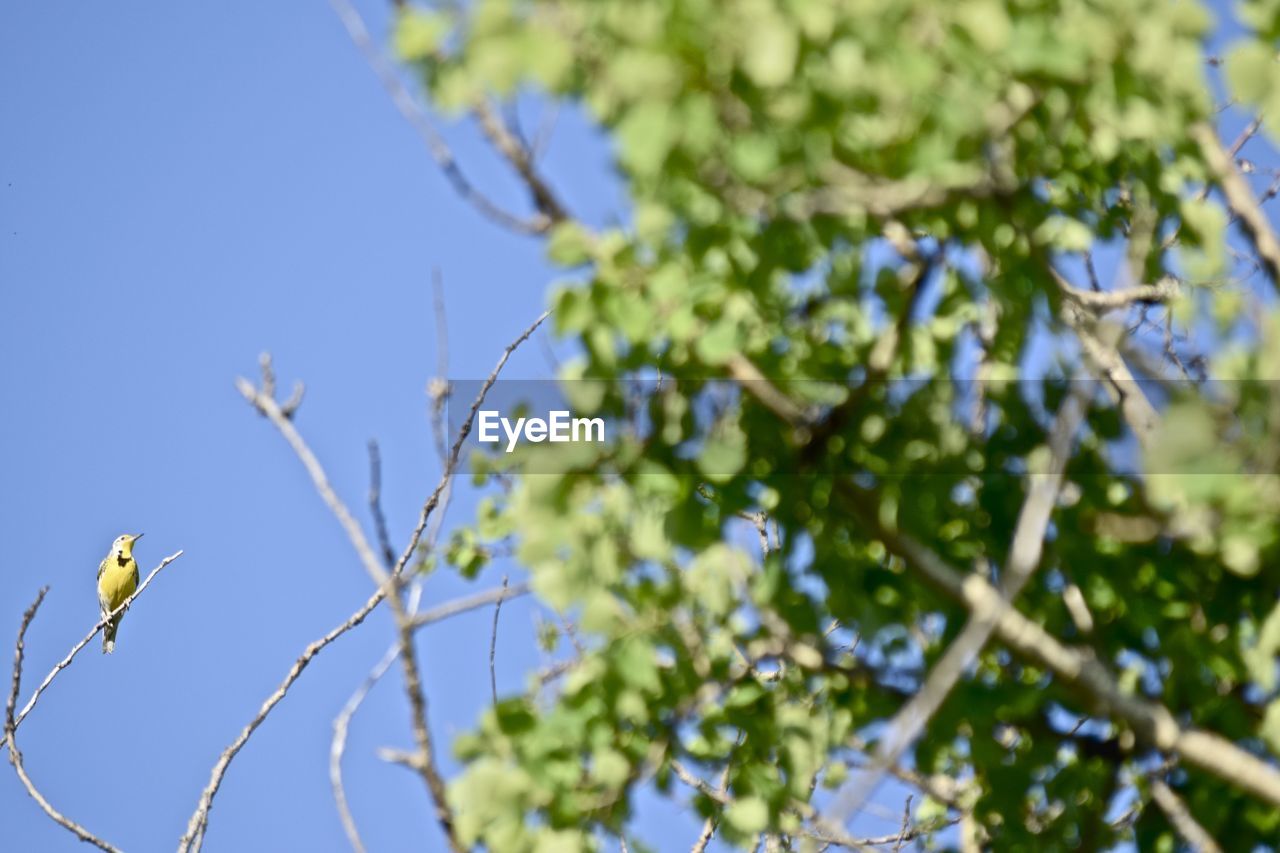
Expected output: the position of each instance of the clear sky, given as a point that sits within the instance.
(181, 187)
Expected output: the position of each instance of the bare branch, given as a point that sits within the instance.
(1107, 300)
(290, 406)
(463, 431)
(342, 724)
(747, 375)
(542, 135)
(693, 780)
(75, 650)
(426, 129)
(906, 822)
(266, 405)
(1098, 341)
(10, 736)
(199, 821)
(521, 160)
(375, 506)
(709, 825)
(1186, 825)
(425, 759)
(388, 584)
(493, 643)
(1240, 199)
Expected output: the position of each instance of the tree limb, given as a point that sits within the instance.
(1107, 300)
(342, 724)
(1240, 198)
(10, 739)
(1180, 816)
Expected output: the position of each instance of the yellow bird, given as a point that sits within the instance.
(117, 580)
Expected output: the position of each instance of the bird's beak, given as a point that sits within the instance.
(136, 537)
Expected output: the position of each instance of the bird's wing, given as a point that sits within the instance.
(102, 567)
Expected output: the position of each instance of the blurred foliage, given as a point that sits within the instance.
(840, 193)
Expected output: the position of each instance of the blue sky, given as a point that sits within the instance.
(182, 188)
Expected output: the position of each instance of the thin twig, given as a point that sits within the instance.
(438, 391)
(194, 836)
(10, 737)
(267, 406)
(493, 643)
(906, 822)
(342, 724)
(375, 506)
(519, 158)
(709, 825)
(468, 603)
(1180, 816)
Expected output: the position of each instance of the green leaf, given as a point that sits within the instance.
(610, 767)
(645, 136)
(771, 47)
(1065, 233)
(419, 34)
(714, 576)
(747, 815)
(1252, 70)
(719, 343)
(724, 454)
(569, 244)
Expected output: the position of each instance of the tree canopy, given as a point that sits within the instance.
(998, 307)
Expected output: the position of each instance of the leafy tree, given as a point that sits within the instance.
(830, 199)
(940, 344)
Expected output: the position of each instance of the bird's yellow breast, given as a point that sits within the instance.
(117, 582)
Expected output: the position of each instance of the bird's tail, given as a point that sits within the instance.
(109, 638)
